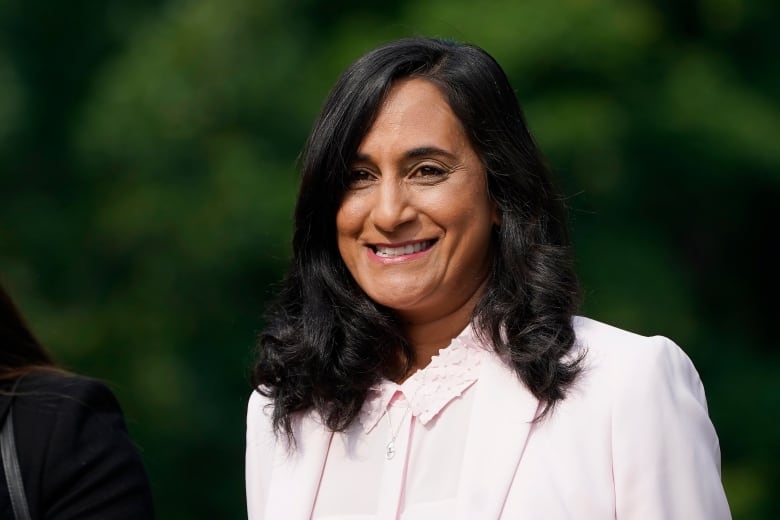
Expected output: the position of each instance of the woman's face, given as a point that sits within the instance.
(415, 223)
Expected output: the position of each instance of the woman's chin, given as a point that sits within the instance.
(402, 306)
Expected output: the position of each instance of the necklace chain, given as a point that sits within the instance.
(390, 447)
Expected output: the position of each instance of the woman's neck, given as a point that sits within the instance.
(427, 337)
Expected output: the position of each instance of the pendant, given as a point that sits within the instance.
(390, 452)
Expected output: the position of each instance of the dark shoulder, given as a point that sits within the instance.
(60, 382)
(77, 458)
(50, 392)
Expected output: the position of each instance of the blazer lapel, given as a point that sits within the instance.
(6, 387)
(502, 418)
(297, 473)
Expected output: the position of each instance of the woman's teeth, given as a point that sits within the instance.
(403, 250)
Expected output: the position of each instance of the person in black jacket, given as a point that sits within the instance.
(76, 458)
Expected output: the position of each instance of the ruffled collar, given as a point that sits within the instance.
(430, 389)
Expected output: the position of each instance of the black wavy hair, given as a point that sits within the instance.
(326, 342)
(20, 351)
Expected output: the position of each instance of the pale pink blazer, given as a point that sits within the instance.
(632, 440)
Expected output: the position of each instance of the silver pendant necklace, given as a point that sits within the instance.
(390, 448)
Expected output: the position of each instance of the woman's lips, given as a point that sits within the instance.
(385, 251)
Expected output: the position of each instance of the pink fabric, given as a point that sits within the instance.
(421, 476)
(429, 390)
(632, 440)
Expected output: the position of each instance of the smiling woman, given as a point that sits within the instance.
(424, 359)
(415, 223)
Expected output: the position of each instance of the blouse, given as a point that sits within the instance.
(404, 453)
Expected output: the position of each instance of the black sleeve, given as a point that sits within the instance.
(77, 458)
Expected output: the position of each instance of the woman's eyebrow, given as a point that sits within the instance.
(414, 153)
(429, 150)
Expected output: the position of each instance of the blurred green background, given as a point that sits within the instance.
(148, 170)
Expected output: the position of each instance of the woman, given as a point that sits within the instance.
(75, 456)
(423, 359)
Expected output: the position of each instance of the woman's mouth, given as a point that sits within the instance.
(408, 249)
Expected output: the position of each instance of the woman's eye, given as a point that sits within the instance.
(430, 171)
(357, 176)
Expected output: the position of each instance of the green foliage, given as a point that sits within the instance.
(148, 171)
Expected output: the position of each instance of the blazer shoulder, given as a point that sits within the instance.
(77, 458)
(591, 334)
(654, 400)
(53, 389)
(606, 343)
(621, 359)
(71, 401)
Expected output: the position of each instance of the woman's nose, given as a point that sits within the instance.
(392, 206)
